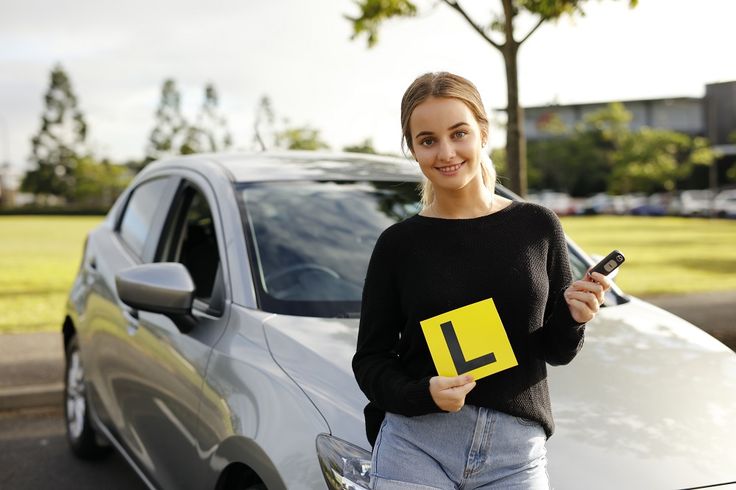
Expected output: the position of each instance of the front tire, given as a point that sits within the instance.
(82, 437)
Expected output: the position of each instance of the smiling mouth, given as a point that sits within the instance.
(450, 169)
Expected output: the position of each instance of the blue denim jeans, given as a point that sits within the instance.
(473, 448)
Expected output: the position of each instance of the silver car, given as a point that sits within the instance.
(210, 329)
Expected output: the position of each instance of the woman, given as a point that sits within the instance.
(466, 245)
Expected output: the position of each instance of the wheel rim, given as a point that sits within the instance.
(76, 406)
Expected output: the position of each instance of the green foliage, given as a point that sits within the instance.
(498, 157)
(98, 184)
(603, 154)
(168, 134)
(268, 133)
(575, 164)
(374, 12)
(300, 138)
(59, 141)
(210, 133)
(652, 160)
(731, 173)
(550, 9)
(365, 147)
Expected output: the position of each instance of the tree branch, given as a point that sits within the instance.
(541, 21)
(478, 29)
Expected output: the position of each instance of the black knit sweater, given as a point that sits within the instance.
(422, 267)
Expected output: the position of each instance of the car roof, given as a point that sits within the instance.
(301, 165)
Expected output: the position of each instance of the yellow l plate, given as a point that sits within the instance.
(469, 340)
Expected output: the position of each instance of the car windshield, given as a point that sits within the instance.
(312, 240)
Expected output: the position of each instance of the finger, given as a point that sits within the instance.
(592, 287)
(464, 389)
(580, 311)
(590, 300)
(602, 280)
(598, 290)
(447, 382)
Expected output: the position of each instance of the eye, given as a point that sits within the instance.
(427, 142)
(460, 134)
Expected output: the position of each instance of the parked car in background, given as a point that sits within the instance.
(210, 329)
(603, 203)
(724, 204)
(695, 202)
(654, 205)
(559, 202)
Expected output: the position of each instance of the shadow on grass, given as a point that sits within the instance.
(33, 292)
(725, 267)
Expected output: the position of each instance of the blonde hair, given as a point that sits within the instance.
(444, 84)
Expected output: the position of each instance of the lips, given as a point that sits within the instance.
(450, 169)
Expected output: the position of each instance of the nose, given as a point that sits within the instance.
(446, 152)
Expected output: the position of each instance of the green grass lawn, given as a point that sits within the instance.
(663, 255)
(39, 257)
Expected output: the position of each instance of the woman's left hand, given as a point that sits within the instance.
(585, 296)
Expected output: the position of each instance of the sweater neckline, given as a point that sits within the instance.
(486, 217)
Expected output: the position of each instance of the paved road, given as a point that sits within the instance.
(714, 312)
(34, 455)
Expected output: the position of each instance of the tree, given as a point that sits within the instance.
(270, 134)
(374, 12)
(264, 133)
(364, 147)
(653, 160)
(59, 141)
(168, 135)
(300, 138)
(99, 183)
(602, 154)
(210, 133)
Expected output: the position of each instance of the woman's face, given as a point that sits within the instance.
(447, 142)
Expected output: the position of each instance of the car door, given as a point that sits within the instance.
(170, 359)
(103, 328)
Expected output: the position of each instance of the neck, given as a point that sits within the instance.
(461, 203)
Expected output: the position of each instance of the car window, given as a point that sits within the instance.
(142, 207)
(191, 240)
(312, 240)
(578, 268)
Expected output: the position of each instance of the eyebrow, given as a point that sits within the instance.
(454, 126)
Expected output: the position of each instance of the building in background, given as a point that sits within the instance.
(712, 116)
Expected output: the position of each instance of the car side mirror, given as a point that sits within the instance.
(164, 287)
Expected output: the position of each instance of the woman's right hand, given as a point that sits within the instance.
(449, 393)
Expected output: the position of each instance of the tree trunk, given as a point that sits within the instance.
(515, 139)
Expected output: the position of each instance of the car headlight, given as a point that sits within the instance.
(344, 465)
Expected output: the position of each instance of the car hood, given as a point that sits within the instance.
(648, 403)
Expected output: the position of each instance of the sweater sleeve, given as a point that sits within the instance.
(377, 368)
(562, 335)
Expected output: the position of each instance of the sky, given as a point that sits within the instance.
(300, 54)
